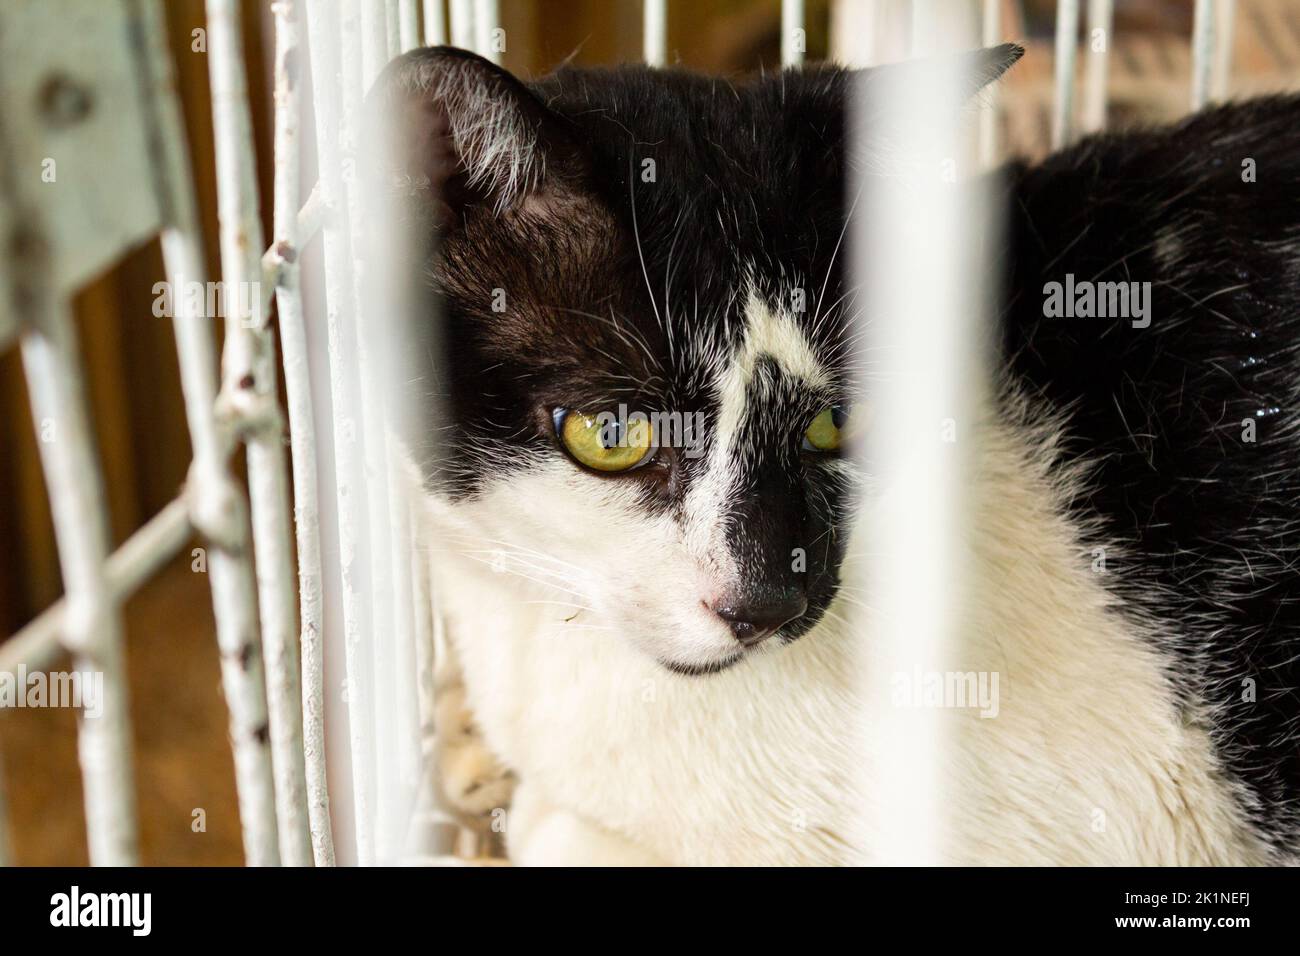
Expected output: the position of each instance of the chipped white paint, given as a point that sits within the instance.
(327, 80)
(249, 400)
(219, 509)
(291, 234)
(92, 623)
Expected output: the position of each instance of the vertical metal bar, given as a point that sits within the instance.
(302, 421)
(405, 708)
(409, 24)
(370, 405)
(1067, 34)
(462, 24)
(793, 36)
(916, 240)
(991, 113)
(487, 20)
(1203, 41)
(323, 32)
(435, 23)
(433, 830)
(654, 32)
(1225, 15)
(249, 398)
(393, 22)
(1100, 23)
(374, 42)
(93, 629)
(217, 505)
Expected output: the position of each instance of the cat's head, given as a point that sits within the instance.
(645, 355)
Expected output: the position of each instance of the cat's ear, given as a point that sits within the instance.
(967, 72)
(455, 132)
(979, 68)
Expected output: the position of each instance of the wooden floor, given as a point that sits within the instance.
(182, 757)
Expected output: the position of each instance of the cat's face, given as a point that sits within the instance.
(646, 355)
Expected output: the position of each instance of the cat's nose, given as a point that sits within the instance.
(753, 620)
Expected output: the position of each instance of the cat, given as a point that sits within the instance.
(648, 677)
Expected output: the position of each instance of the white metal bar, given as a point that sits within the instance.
(404, 693)
(433, 831)
(374, 42)
(393, 23)
(370, 406)
(1100, 23)
(1067, 35)
(218, 508)
(311, 217)
(913, 259)
(435, 23)
(487, 20)
(654, 32)
(409, 24)
(249, 396)
(1225, 14)
(462, 24)
(793, 35)
(38, 643)
(1202, 52)
(93, 629)
(990, 148)
(327, 79)
(290, 237)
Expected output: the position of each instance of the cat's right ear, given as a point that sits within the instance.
(455, 134)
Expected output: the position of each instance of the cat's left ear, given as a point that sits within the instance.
(453, 133)
(979, 68)
(967, 72)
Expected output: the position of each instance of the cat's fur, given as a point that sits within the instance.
(579, 605)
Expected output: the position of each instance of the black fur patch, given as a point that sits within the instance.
(1208, 524)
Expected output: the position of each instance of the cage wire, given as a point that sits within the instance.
(273, 627)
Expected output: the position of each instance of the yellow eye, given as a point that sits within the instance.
(832, 426)
(602, 442)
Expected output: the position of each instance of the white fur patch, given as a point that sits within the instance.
(1088, 760)
(768, 335)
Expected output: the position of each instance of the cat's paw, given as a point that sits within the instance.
(474, 783)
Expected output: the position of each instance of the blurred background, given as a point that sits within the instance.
(183, 760)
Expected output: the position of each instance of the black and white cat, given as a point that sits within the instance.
(637, 650)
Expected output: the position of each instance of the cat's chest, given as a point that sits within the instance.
(666, 758)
